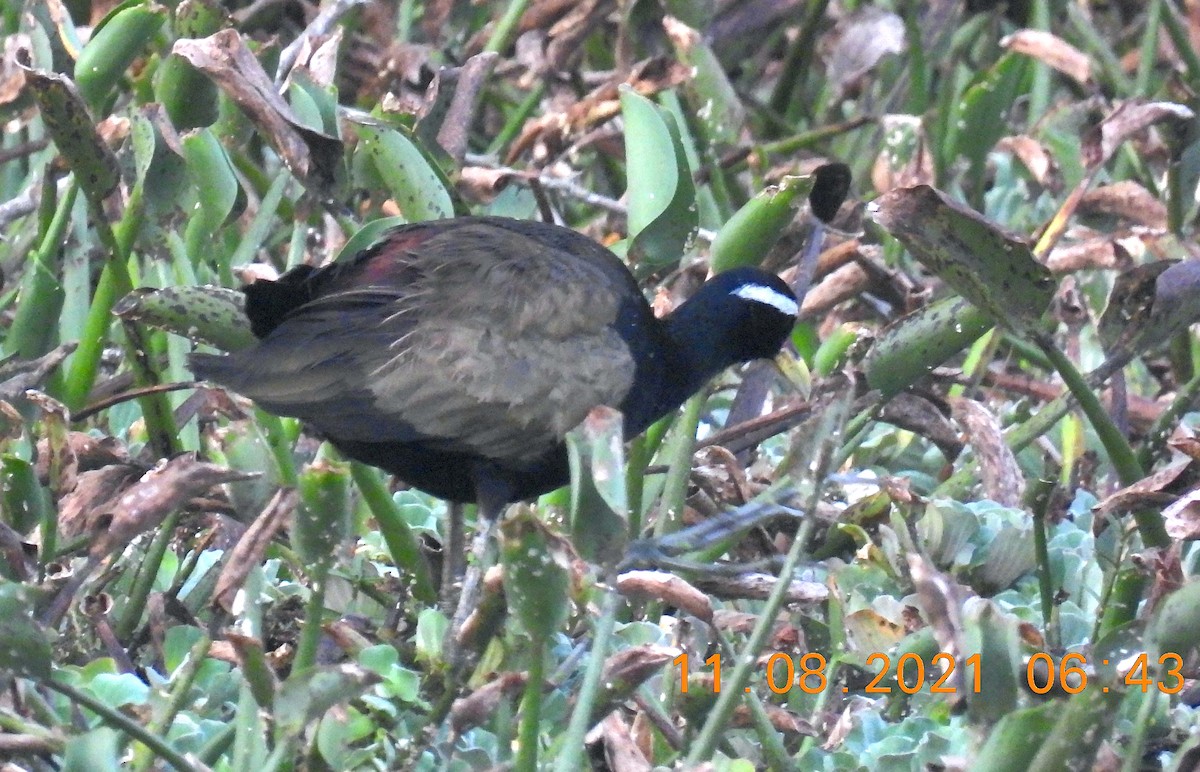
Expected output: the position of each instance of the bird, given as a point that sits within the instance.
(456, 354)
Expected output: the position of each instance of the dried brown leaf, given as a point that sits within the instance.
(1182, 517)
(311, 156)
(1053, 51)
(1151, 491)
(941, 603)
(1092, 253)
(858, 42)
(1031, 153)
(621, 751)
(84, 510)
(156, 495)
(61, 463)
(668, 588)
(452, 113)
(12, 77)
(480, 705)
(760, 586)
(91, 452)
(1126, 199)
(1002, 478)
(1125, 121)
(18, 376)
(248, 552)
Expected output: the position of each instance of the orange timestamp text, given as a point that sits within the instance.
(1043, 673)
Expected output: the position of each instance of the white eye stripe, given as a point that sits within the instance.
(773, 298)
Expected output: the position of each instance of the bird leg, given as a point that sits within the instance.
(452, 555)
(492, 496)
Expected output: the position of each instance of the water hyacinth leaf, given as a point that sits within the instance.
(322, 521)
(74, 132)
(412, 181)
(662, 197)
(24, 648)
(536, 574)
(95, 751)
(599, 500)
(754, 229)
(907, 349)
(1015, 740)
(993, 636)
(305, 696)
(1150, 304)
(117, 41)
(213, 315)
(189, 97)
(993, 270)
(211, 172)
(980, 117)
(1176, 628)
(713, 97)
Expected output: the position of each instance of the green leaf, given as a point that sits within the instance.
(599, 500)
(908, 348)
(120, 39)
(1014, 742)
(323, 518)
(713, 97)
(94, 751)
(754, 229)
(24, 648)
(73, 130)
(993, 270)
(981, 117)
(305, 696)
(213, 315)
(993, 636)
(414, 184)
(662, 197)
(1176, 627)
(216, 185)
(536, 574)
(368, 235)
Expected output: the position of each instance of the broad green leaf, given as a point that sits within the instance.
(754, 229)
(993, 270)
(536, 574)
(24, 648)
(414, 184)
(213, 315)
(662, 198)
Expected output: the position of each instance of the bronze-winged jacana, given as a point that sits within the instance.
(456, 354)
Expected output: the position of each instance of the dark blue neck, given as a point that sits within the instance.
(679, 356)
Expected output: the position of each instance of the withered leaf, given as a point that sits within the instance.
(480, 705)
(1125, 121)
(82, 509)
(1182, 518)
(1002, 478)
(156, 495)
(668, 588)
(310, 155)
(248, 551)
(1053, 51)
